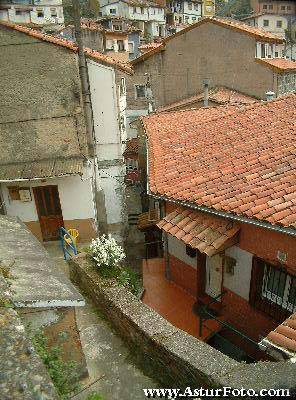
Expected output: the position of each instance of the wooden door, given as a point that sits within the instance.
(49, 211)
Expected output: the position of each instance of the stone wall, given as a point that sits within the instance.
(173, 357)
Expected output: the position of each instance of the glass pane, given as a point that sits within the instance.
(276, 282)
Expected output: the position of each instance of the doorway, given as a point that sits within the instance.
(49, 211)
(214, 275)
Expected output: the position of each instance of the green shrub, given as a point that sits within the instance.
(129, 279)
(63, 374)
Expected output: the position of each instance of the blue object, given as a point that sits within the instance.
(69, 248)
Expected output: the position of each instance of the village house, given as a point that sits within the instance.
(181, 13)
(225, 53)
(279, 7)
(52, 172)
(148, 16)
(224, 180)
(39, 13)
(111, 36)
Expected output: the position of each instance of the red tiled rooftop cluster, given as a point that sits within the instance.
(238, 160)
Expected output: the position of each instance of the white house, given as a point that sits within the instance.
(148, 16)
(184, 12)
(35, 12)
(48, 176)
(276, 24)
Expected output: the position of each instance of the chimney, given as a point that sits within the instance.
(206, 92)
(269, 95)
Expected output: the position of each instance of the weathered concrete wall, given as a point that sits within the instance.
(23, 375)
(40, 103)
(169, 354)
(224, 56)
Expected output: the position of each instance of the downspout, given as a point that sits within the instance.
(87, 104)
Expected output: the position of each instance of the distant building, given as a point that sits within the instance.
(184, 12)
(32, 12)
(145, 15)
(279, 7)
(114, 37)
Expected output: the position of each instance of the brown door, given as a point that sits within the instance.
(49, 211)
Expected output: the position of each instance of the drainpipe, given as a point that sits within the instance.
(206, 92)
(87, 104)
(83, 74)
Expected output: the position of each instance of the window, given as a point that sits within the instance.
(140, 91)
(131, 47)
(283, 8)
(273, 290)
(190, 251)
(142, 10)
(112, 10)
(193, 19)
(40, 13)
(270, 7)
(53, 12)
(289, 8)
(279, 24)
(196, 7)
(117, 27)
(131, 165)
(264, 7)
(276, 54)
(186, 18)
(120, 45)
(18, 12)
(122, 87)
(159, 11)
(189, 6)
(135, 10)
(263, 52)
(279, 287)
(265, 22)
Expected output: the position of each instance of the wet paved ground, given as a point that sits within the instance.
(108, 359)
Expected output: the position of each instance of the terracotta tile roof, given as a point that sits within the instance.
(283, 337)
(220, 95)
(237, 160)
(132, 146)
(278, 64)
(235, 25)
(70, 45)
(207, 233)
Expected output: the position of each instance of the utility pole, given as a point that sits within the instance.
(83, 74)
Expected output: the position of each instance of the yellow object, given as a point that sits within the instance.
(73, 236)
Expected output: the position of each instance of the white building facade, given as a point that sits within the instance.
(35, 12)
(149, 17)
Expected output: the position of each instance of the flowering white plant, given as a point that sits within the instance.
(106, 252)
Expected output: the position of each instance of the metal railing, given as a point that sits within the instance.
(69, 247)
(205, 314)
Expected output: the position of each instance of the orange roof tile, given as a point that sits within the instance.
(220, 95)
(278, 64)
(207, 233)
(283, 337)
(240, 160)
(70, 45)
(238, 26)
(152, 45)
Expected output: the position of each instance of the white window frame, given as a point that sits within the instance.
(132, 44)
(280, 301)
